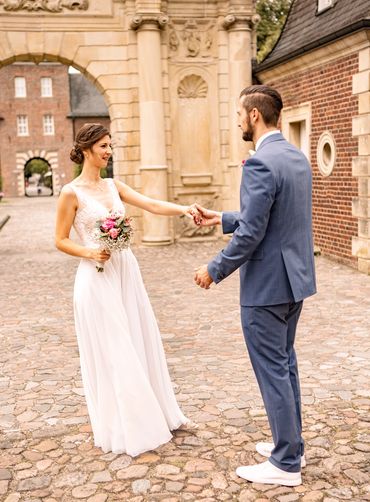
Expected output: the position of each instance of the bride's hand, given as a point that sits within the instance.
(193, 213)
(99, 255)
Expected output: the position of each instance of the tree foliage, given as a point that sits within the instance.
(38, 166)
(273, 14)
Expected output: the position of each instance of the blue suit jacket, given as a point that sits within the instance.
(272, 234)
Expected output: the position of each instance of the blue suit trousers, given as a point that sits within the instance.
(269, 332)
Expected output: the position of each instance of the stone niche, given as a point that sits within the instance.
(195, 161)
(194, 144)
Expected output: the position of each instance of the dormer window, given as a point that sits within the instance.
(323, 5)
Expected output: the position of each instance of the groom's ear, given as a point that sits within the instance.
(255, 115)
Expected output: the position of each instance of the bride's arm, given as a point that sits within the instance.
(154, 206)
(66, 212)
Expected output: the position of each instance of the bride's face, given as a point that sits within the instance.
(101, 152)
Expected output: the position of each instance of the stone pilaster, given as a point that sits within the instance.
(153, 167)
(240, 36)
(361, 164)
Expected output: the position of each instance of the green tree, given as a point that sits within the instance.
(104, 172)
(41, 167)
(273, 14)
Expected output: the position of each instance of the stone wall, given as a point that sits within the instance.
(361, 162)
(156, 63)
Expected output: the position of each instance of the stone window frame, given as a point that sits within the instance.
(299, 113)
(46, 87)
(48, 125)
(326, 153)
(22, 125)
(20, 87)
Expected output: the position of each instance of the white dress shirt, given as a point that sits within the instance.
(264, 136)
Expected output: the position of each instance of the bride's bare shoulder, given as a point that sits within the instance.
(68, 191)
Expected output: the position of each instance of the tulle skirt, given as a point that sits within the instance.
(128, 390)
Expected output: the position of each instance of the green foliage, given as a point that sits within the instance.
(78, 168)
(1, 184)
(38, 166)
(273, 14)
(41, 167)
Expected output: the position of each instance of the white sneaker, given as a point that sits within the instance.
(265, 450)
(266, 473)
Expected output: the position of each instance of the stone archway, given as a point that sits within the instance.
(129, 49)
(51, 157)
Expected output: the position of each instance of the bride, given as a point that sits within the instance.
(129, 395)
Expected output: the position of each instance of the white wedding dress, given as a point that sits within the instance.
(129, 395)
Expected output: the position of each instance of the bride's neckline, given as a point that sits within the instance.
(91, 196)
(99, 185)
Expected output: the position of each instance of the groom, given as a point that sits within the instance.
(272, 245)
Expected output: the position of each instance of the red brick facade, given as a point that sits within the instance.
(329, 90)
(35, 107)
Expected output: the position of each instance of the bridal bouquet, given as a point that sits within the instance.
(113, 233)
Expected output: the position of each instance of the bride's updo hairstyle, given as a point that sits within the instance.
(86, 137)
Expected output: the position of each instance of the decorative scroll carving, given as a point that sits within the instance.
(173, 40)
(139, 20)
(192, 86)
(232, 21)
(45, 5)
(191, 38)
(186, 228)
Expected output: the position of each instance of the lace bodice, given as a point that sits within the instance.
(90, 209)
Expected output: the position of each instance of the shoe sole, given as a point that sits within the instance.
(277, 481)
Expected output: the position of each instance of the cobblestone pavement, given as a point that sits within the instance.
(46, 449)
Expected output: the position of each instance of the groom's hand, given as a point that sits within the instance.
(208, 217)
(202, 277)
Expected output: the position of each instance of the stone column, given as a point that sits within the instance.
(361, 164)
(240, 76)
(153, 168)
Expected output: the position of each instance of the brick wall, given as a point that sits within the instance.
(34, 106)
(329, 89)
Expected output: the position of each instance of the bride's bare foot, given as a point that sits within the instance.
(189, 426)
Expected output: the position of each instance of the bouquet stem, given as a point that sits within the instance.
(99, 266)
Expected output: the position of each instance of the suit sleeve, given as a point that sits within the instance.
(230, 221)
(257, 195)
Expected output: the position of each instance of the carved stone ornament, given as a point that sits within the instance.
(45, 5)
(191, 39)
(173, 40)
(187, 229)
(231, 21)
(192, 86)
(140, 19)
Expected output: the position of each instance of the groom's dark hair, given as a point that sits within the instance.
(267, 101)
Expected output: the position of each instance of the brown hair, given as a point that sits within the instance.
(267, 101)
(86, 137)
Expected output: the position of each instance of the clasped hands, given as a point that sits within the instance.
(204, 218)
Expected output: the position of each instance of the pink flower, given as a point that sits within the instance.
(113, 233)
(108, 224)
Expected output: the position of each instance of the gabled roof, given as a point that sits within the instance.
(305, 30)
(85, 99)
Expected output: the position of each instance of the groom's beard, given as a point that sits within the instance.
(248, 134)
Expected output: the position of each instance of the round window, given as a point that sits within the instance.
(326, 153)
